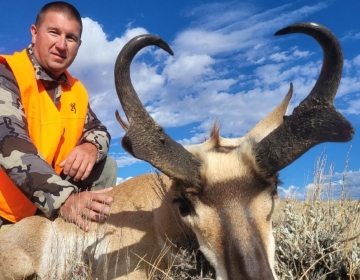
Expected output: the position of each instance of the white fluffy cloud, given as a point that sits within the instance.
(292, 192)
(123, 159)
(232, 70)
(226, 66)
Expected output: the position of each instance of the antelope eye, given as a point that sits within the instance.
(184, 205)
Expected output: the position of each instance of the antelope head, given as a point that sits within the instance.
(225, 190)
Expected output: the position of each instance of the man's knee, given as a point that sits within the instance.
(105, 174)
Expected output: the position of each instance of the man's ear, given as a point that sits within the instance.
(33, 31)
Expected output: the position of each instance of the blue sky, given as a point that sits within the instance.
(227, 66)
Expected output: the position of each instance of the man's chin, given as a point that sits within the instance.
(55, 72)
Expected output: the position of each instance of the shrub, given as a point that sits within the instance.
(319, 238)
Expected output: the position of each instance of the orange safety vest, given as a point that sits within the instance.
(55, 131)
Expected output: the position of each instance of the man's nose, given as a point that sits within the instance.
(61, 43)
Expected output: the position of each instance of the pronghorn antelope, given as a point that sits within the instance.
(221, 193)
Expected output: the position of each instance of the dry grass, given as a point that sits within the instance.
(319, 238)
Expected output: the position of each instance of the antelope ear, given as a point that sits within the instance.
(271, 121)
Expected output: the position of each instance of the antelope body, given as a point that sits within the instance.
(221, 193)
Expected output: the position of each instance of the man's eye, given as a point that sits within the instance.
(71, 39)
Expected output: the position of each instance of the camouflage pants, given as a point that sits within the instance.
(103, 175)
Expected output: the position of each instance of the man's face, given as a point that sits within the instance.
(55, 42)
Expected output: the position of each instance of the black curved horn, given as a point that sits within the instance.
(327, 84)
(315, 120)
(144, 138)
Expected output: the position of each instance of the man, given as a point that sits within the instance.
(52, 145)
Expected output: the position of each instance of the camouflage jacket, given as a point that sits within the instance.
(26, 167)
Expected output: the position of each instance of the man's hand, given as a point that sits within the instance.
(81, 207)
(80, 161)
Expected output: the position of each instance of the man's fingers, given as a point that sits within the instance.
(81, 222)
(103, 190)
(87, 169)
(76, 218)
(86, 214)
(96, 212)
(78, 169)
(82, 207)
(73, 169)
(69, 164)
(100, 208)
(62, 164)
(96, 216)
(101, 197)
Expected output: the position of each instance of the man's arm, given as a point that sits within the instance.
(96, 133)
(20, 159)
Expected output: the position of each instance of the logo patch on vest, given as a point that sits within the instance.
(73, 107)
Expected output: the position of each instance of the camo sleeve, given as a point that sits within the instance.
(20, 159)
(96, 133)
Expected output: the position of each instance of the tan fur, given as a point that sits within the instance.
(129, 234)
(230, 217)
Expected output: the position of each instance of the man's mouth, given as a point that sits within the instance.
(59, 56)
